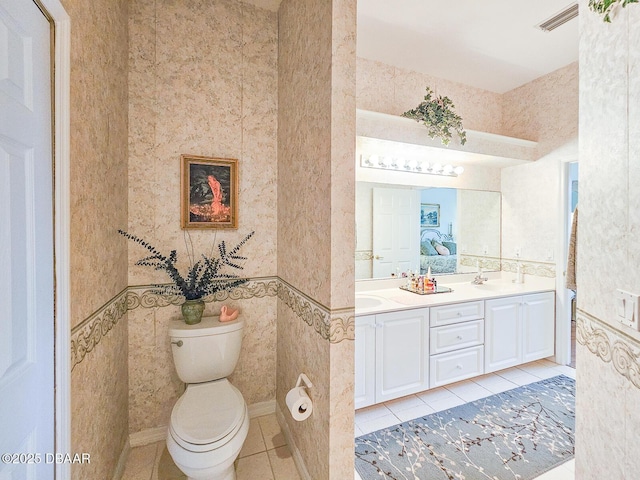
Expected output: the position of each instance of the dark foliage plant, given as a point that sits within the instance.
(204, 277)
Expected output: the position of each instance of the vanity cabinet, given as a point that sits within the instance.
(408, 351)
(456, 342)
(365, 361)
(392, 355)
(402, 353)
(519, 329)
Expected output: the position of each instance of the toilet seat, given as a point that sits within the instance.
(207, 415)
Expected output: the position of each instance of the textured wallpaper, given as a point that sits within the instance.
(203, 81)
(316, 147)
(607, 421)
(388, 89)
(98, 187)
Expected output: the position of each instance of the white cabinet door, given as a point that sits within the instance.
(365, 361)
(503, 339)
(402, 353)
(538, 326)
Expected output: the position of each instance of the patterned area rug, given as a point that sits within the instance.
(518, 434)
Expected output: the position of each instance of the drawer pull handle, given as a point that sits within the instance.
(459, 367)
(459, 337)
(459, 314)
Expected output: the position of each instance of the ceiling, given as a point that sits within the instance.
(490, 44)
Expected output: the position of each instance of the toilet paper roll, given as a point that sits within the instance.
(299, 403)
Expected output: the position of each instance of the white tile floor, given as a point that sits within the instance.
(264, 456)
(397, 411)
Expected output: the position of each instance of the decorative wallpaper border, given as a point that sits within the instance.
(487, 263)
(148, 296)
(610, 345)
(88, 334)
(364, 255)
(333, 326)
(540, 269)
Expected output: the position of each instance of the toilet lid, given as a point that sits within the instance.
(207, 412)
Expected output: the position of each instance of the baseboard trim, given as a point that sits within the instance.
(295, 453)
(122, 461)
(262, 408)
(146, 437)
(153, 435)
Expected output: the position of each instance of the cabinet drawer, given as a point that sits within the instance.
(456, 336)
(460, 312)
(455, 366)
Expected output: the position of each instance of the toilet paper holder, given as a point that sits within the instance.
(302, 378)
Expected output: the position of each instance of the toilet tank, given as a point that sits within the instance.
(206, 351)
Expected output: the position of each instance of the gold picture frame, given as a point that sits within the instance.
(209, 192)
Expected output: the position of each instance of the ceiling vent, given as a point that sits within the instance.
(560, 18)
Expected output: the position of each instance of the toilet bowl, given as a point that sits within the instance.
(210, 421)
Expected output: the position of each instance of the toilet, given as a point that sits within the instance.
(210, 421)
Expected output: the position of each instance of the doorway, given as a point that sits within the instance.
(34, 299)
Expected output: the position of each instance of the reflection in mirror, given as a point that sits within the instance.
(404, 228)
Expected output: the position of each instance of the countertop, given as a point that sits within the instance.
(386, 296)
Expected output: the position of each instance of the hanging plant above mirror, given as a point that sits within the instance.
(606, 7)
(436, 113)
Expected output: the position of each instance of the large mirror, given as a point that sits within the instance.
(408, 228)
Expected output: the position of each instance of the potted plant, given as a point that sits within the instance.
(436, 113)
(203, 278)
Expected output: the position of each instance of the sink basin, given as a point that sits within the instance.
(363, 301)
(497, 287)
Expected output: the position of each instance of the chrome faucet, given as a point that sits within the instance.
(479, 280)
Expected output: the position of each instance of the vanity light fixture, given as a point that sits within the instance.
(413, 166)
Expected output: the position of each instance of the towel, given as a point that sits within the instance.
(572, 257)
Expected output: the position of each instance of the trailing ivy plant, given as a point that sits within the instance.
(203, 277)
(605, 7)
(436, 113)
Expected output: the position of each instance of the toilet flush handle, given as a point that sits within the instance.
(179, 343)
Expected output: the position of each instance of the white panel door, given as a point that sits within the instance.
(365, 361)
(538, 325)
(396, 231)
(402, 353)
(503, 338)
(26, 241)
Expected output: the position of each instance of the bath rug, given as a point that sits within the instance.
(518, 434)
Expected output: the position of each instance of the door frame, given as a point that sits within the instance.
(563, 298)
(61, 56)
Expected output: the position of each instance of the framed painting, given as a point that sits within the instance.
(429, 214)
(209, 192)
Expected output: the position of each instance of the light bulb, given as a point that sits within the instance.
(458, 170)
(447, 169)
(437, 168)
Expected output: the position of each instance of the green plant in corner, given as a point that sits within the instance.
(605, 7)
(203, 277)
(436, 113)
